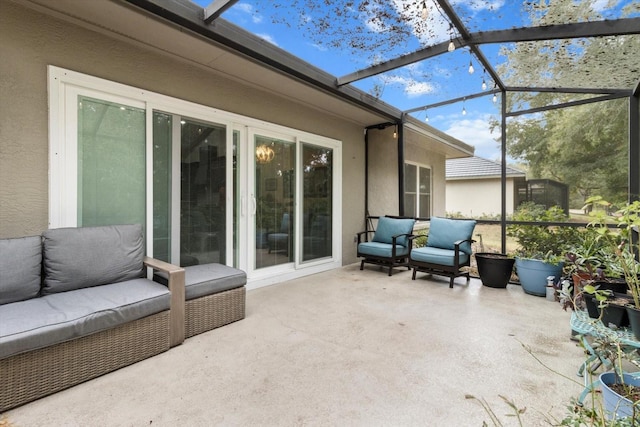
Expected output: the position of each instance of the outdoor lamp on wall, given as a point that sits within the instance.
(264, 154)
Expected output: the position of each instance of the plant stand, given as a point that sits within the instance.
(494, 269)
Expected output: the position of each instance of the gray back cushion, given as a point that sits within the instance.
(77, 258)
(20, 267)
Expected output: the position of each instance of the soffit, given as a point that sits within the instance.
(126, 22)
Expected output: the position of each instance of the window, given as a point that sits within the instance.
(192, 176)
(417, 187)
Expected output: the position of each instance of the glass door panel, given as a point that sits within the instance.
(111, 163)
(202, 193)
(274, 193)
(162, 137)
(317, 196)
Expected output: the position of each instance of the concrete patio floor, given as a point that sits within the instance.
(345, 348)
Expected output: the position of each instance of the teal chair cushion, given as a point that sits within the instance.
(438, 256)
(389, 227)
(444, 232)
(381, 249)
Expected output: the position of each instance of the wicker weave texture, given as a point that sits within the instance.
(35, 374)
(212, 311)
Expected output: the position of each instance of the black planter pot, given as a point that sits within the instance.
(634, 320)
(615, 285)
(494, 269)
(592, 306)
(616, 314)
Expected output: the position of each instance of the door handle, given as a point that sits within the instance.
(255, 204)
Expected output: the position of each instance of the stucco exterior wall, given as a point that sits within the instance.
(383, 172)
(30, 41)
(478, 197)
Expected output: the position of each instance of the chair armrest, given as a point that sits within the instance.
(365, 234)
(176, 287)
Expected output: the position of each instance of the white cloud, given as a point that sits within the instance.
(268, 38)
(318, 47)
(475, 131)
(480, 5)
(243, 7)
(411, 87)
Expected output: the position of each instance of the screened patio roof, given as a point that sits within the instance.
(588, 48)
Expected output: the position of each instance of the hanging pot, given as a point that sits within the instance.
(494, 269)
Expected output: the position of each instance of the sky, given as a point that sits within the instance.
(437, 79)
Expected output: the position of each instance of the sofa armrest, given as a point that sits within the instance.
(176, 287)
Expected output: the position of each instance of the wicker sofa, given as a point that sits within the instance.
(75, 304)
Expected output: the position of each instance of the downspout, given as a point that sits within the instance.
(400, 126)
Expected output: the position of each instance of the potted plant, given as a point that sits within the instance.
(623, 240)
(541, 247)
(494, 269)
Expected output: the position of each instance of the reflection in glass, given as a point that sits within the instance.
(203, 193)
(111, 163)
(317, 178)
(274, 201)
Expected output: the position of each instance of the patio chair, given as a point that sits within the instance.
(390, 245)
(448, 249)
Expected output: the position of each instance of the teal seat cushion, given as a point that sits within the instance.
(381, 249)
(438, 256)
(444, 232)
(389, 227)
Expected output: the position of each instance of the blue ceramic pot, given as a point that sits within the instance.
(533, 274)
(616, 406)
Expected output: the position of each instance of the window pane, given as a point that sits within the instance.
(203, 193)
(111, 163)
(162, 127)
(425, 181)
(275, 189)
(410, 205)
(410, 173)
(425, 206)
(317, 164)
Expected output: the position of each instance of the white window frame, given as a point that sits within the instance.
(418, 167)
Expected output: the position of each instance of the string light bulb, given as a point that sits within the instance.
(484, 84)
(495, 98)
(471, 70)
(464, 110)
(452, 46)
(395, 132)
(426, 116)
(425, 12)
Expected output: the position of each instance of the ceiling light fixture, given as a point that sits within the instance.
(425, 12)
(264, 154)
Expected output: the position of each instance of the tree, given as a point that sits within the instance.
(584, 146)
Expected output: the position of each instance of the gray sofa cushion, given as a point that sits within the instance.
(77, 258)
(51, 319)
(208, 279)
(20, 267)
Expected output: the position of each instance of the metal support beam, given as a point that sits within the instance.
(634, 146)
(566, 104)
(216, 9)
(466, 35)
(503, 175)
(454, 100)
(625, 92)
